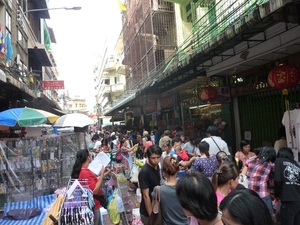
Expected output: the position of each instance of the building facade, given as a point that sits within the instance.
(229, 45)
(110, 80)
(26, 58)
(77, 104)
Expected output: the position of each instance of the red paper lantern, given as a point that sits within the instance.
(284, 77)
(208, 94)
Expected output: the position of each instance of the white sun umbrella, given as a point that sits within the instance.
(73, 120)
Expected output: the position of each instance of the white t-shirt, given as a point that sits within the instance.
(289, 120)
(97, 145)
(214, 142)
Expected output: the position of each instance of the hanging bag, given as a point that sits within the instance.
(113, 213)
(156, 216)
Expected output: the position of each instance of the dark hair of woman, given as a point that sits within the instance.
(220, 156)
(267, 154)
(81, 157)
(153, 149)
(148, 138)
(196, 194)
(286, 153)
(244, 143)
(104, 141)
(244, 206)
(170, 165)
(204, 148)
(197, 142)
(122, 141)
(225, 173)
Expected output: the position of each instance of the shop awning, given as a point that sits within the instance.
(126, 99)
(59, 111)
(39, 50)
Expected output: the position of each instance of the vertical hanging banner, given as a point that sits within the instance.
(53, 84)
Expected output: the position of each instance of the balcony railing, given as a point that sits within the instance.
(117, 87)
(110, 65)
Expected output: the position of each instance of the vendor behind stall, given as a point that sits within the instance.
(81, 171)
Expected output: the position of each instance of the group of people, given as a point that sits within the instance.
(201, 182)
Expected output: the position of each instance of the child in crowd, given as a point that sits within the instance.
(220, 157)
(152, 136)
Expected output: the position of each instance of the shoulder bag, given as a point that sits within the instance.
(216, 144)
(156, 216)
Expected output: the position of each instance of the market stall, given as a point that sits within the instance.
(35, 166)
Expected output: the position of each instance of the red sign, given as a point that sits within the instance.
(53, 84)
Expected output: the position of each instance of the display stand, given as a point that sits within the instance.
(35, 166)
(77, 205)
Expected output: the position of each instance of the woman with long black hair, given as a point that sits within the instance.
(81, 171)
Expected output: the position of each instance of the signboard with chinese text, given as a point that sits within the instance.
(53, 84)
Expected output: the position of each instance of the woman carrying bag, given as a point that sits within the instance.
(172, 212)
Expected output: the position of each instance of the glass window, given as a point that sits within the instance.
(8, 21)
(20, 36)
(107, 81)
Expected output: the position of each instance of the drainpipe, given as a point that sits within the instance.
(175, 109)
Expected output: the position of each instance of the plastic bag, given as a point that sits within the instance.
(134, 173)
(113, 213)
(120, 205)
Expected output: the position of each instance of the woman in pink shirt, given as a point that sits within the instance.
(244, 154)
(148, 143)
(225, 179)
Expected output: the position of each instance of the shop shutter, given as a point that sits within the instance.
(261, 114)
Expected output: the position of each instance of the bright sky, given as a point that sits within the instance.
(80, 36)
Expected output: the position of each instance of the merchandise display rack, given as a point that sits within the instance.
(80, 199)
(35, 166)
